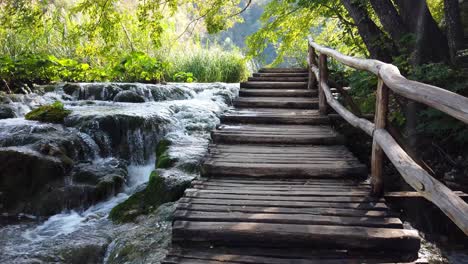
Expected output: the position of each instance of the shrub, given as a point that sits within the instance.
(210, 65)
(53, 113)
(139, 67)
(183, 77)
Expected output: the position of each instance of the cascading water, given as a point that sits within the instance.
(103, 134)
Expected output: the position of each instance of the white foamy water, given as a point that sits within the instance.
(186, 121)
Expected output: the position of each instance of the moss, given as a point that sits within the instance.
(163, 159)
(128, 210)
(156, 193)
(54, 113)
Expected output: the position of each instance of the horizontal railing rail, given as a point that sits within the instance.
(389, 78)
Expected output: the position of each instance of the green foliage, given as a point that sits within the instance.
(286, 25)
(210, 65)
(139, 67)
(104, 40)
(183, 77)
(435, 123)
(54, 113)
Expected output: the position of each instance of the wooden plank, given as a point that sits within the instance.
(284, 189)
(277, 92)
(291, 184)
(290, 235)
(280, 74)
(277, 102)
(284, 181)
(283, 186)
(279, 197)
(283, 170)
(274, 116)
(278, 139)
(290, 255)
(290, 203)
(305, 219)
(277, 79)
(283, 193)
(274, 85)
(283, 70)
(285, 210)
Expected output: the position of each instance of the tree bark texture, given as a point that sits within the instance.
(430, 44)
(380, 47)
(454, 27)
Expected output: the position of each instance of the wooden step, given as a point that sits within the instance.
(278, 92)
(279, 79)
(290, 235)
(273, 218)
(274, 85)
(258, 255)
(276, 70)
(276, 134)
(277, 102)
(280, 74)
(274, 116)
(281, 161)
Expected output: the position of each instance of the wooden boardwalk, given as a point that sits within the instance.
(279, 186)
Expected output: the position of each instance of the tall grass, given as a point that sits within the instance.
(209, 64)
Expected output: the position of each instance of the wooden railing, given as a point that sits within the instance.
(383, 143)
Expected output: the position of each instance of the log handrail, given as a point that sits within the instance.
(390, 79)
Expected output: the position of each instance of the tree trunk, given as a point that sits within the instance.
(454, 27)
(430, 44)
(391, 21)
(379, 46)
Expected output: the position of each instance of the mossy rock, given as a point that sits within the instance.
(163, 159)
(54, 113)
(158, 191)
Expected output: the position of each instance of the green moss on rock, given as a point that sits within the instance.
(163, 159)
(54, 113)
(157, 192)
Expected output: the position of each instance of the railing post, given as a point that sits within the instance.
(380, 121)
(323, 79)
(312, 81)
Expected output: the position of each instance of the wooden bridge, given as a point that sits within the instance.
(279, 186)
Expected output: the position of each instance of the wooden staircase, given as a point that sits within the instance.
(278, 186)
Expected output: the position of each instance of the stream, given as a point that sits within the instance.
(102, 132)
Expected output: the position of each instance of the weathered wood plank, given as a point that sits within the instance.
(283, 70)
(291, 202)
(362, 193)
(285, 210)
(274, 116)
(305, 219)
(277, 79)
(280, 74)
(277, 102)
(274, 85)
(320, 236)
(283, 170)
(277, 92)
